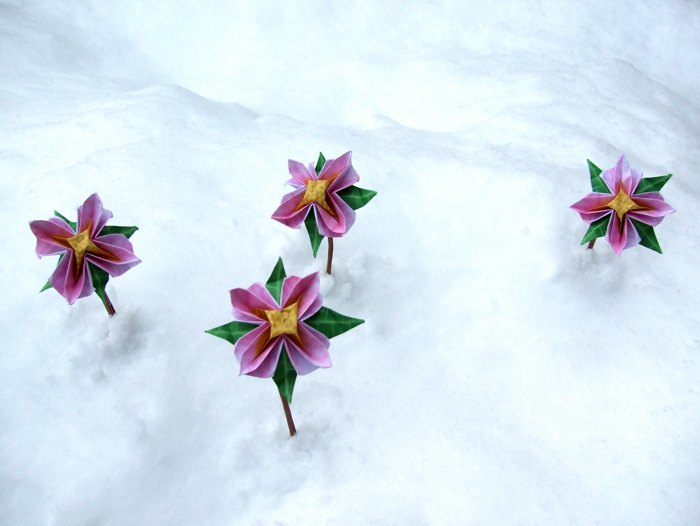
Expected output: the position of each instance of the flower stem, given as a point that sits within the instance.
(288, 415)
(591, 243)
(108, 305)
(329, 262)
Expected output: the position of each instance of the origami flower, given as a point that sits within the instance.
(328, 191)
(89, 251)
(623, 207)
(282, 329)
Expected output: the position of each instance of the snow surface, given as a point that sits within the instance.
(505, 375)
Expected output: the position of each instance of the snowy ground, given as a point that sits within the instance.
(505, 375)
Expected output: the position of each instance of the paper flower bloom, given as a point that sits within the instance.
(623, 207)
(328, 192)
(89, 251)
(282, 329)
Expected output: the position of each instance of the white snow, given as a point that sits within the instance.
(505, 375)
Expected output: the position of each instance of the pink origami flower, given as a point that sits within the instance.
(629, 209)
(319, 193)
(81, 248)
(280, 326)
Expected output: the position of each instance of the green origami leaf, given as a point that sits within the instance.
(314, 235)
(276, 279)
(128, 231)
(647, 235)
(356, 197)
(319, 164)
(46, 287)
(597, 229)
(99, 282)
(232, 331)
(285, 376)
(597, 183)
(72, 224)
(652, 184)
(332, 323)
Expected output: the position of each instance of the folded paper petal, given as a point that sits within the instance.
(262, 365)
(289, 212)
(69, 281)
(48, 235)
(621, 234)
(92, 214)
(304, 291)
(311, 353)
(300, 174)
(336, 167)
(337, 226)
(593, 207)
(249, 304)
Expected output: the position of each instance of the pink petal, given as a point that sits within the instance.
(287, 213)
(300, 174)
(348, 178)
(613, 176)
(92, 213)
(338, 226)
(46, 233)
(253, 342)
(594, 205)
(303, 290)
(310, 352)
(620, 239)
(123, 257)
(249, 303)
(65, 281)
(263, 365)
(335, 167)
(653, 207)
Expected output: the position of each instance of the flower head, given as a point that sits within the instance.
(280, 325)
(623, 206)
(318, 193)
(80, 245)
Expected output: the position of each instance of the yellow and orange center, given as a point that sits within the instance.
(317, 192)
(622, 204)
(283, 321)
(82, 244)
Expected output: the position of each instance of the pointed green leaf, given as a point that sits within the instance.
(597, 183)
(314, 235)
(597, 229)
(356, 197)
(647, 235)
(276, 279)
(652, 184)
(99, 282)
(72, 224)
(285, 376)
(332, 323)
(128, 231)
(232, 331)
(319, 164)
(46, 287)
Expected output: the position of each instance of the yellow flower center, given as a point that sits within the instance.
(283, 321)
(316, 192)
(622, 204)
(82, 244)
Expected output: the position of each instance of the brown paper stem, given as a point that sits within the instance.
(288, 415)
(329, 263)
(591, 243)
(108, 306)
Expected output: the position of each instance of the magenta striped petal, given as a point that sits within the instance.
(47, 232)
(249, 303)
(92, 213)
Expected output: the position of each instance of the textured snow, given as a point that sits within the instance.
(505, 375)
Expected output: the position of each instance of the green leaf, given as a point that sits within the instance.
(319, 164)
(128, 231)
(274, 282)
(285, 376)
(652, 184)
(597, 229)
(314, 235)
(232, 331)
(99, 282)
(46, 287)
(647, 235)
(72, 224)
(332, 323)
(597, 183)
(356, 197)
